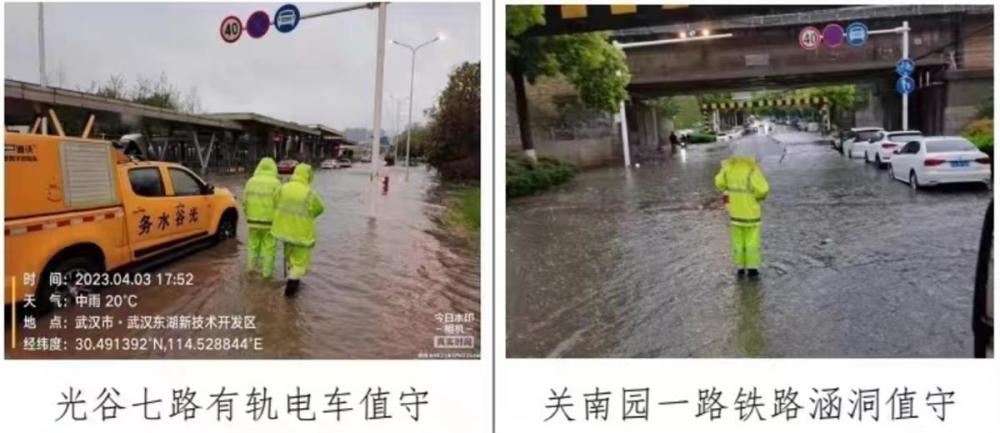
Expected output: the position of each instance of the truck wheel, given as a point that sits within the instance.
(69, 269)
(227, 227)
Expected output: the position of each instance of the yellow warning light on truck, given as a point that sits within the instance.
(76, 206)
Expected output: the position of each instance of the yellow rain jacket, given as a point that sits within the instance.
(259, 192)
(297, 208)
(743, 181)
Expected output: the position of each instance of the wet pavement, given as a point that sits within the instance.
(375, 289)
(636, 263)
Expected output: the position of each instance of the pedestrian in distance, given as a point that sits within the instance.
(258, 208)
(745, 186)
(674, 142)
(297, 207)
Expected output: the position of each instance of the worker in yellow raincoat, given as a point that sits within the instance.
(297, 207)
(742, 180)
(258, 208)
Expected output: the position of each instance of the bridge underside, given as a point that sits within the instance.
(739, 80)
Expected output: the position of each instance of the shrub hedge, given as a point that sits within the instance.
(524, 178)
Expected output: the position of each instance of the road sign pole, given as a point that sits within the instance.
(906, 54)
(377, 122)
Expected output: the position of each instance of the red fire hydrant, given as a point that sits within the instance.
(385, 185)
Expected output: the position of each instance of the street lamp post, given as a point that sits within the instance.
(395, 126)
(413, 66)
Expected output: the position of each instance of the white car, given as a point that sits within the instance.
(329, 164)
(937, 160)
(859, 136)
(883, 146)
(728, 136)
(812, 127)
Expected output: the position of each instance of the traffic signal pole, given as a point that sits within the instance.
(904, 31)
(379, 74)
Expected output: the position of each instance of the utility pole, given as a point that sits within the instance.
(41, 45)
(413, 66)
(377, 122)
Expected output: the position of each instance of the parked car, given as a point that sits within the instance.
(937, 160)
(729, 136)
(812, 127)
(883, 145)
(329, 164)
(287, 166)
(858, 135)
(344, 162)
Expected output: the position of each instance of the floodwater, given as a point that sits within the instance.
(636, 263)
(375, 289)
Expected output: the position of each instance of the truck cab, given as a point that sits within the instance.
(76, 206)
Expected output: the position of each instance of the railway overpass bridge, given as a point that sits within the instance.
(952, 46)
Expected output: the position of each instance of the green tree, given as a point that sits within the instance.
(419, 141)
(159, 93)
(842, 96)
(667, 106)
(714, 98)
(984, 109)
(589, 61)
(454, 127)
(688, 113)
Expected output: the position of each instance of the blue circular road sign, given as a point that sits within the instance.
(857, 33)
(287, 18)
(257, 24)
(905, 67)
(905, 85)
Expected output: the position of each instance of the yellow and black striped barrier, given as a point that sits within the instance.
(808, 101)
(823, 103)
(573, 12)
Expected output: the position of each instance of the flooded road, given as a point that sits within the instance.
(375, 289)
(636, 263)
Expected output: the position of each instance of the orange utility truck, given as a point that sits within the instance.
(79, 206)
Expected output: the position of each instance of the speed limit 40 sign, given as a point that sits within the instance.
(231, 29)
(810, 37)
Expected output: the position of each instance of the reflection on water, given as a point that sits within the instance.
(635, 263)
(375, 289)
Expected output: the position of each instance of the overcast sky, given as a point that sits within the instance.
(322, 72)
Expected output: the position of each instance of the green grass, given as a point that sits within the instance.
(463, 210)
(524, 178)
